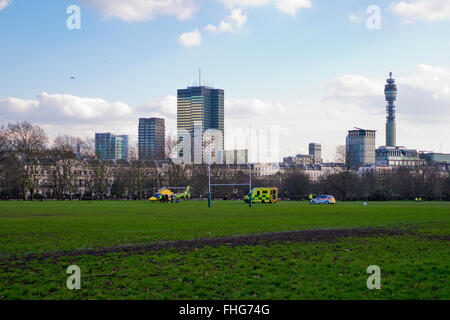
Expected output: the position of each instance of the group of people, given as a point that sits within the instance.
(165, 198)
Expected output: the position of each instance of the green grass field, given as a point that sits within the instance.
(38, 240)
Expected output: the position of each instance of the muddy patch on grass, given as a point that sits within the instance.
(327, 235)
(26, 216)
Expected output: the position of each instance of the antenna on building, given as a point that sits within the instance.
(199, 77)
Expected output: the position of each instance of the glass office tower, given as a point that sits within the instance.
(360, 147)
(202, 104)
(152, 139)
(109, 146)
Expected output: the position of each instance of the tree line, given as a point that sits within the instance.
(33, 168)
(426, 183)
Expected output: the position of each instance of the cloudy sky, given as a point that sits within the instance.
(311, 69)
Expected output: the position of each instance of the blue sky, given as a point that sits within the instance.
(293, 61)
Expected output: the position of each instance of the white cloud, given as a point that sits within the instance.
(162, 108)
(244, 3)
(12, 104)
(287, 6)
(428, 10)
(354, 18)
(355, 89)
(292, 6)
(190, 39)
(82, 116)
(3, 4)
(143, 10)
(68, 114)
(423, 96)
(233, 23)
(63, 107)
(166, 106)
(241, 108)
(433, 79)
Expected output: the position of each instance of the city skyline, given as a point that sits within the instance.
(274, 75)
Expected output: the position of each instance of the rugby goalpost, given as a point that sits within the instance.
(249, 184)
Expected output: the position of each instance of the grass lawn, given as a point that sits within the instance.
(414, 265)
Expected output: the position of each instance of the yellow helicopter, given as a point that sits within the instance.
(167, 191)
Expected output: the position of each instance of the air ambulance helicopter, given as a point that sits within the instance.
(167, 191)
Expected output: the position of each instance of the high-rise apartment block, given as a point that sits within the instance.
(151, 139)
(315, 150)
(360, 147)
(109, 146)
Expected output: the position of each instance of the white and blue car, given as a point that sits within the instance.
(323, 199)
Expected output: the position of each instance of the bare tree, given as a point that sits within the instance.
(341, 154)
(103, 173)
(87, 150)
(25, 145)
(171, 144)
(99, 167)
(137, 171)
(3, 154)
(177, 174)
(64, 159)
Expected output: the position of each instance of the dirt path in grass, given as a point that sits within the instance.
(327, 235)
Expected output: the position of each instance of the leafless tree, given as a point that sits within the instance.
(137, 171)
(24, 145)
(87, 150)
(177, 174)
(101, 168)
(64, 159)
(171, 144)
(341, 154)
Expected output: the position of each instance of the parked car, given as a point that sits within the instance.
(323, 199)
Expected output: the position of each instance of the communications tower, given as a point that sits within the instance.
(390, 91)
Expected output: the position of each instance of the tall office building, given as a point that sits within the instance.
(121, 145)
(152, 139)
(315, 150)
(199, 107)
(109, 146)
(390, 91)
(360, 147)
(202, 104)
